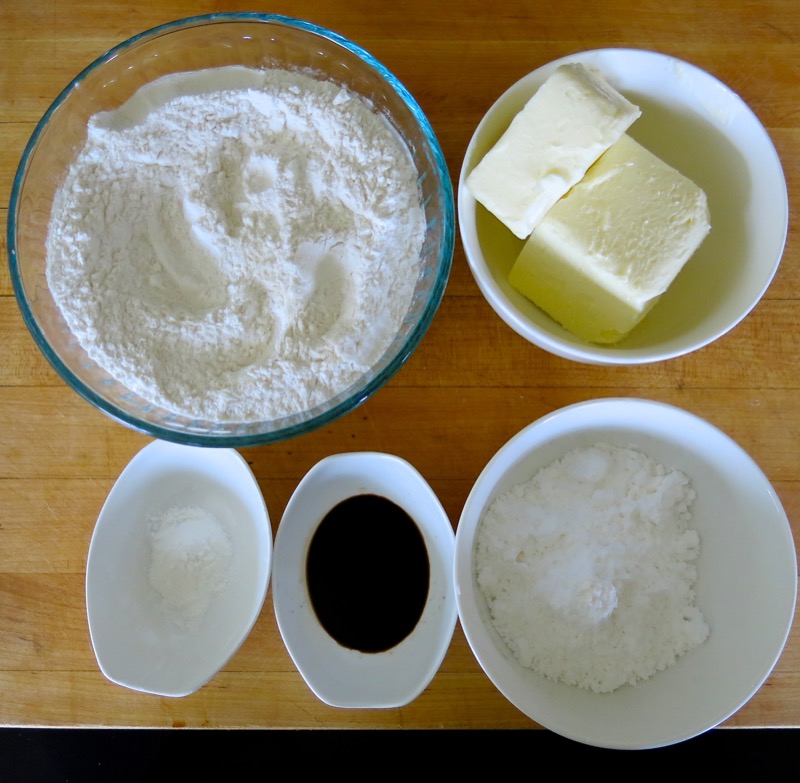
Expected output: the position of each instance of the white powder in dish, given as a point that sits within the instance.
(237, 244)
(190, 558)
(588, 569)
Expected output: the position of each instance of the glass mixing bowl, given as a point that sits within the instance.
(244, 39)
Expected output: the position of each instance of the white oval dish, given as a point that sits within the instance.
(746, 586)
(137, 642)
(701, 127)
(339, 676)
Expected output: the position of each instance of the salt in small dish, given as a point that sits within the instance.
(339, 675)
(139, 641)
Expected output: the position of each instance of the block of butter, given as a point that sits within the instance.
(604, 254)
(569, 122)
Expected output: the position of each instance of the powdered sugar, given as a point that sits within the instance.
(237, 244)
(588, 569)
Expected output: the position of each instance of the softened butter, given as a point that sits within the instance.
(561, 131)
(605, 253)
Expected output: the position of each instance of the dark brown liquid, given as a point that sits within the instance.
(368, 573)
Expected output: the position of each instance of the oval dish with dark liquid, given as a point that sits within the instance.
(368, 573)
(409, 649)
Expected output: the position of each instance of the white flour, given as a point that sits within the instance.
(190, 557)
(588, 569)
(237, 244)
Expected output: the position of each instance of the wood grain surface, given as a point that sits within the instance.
(470, 386)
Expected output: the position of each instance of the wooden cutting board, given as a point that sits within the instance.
(470, 386)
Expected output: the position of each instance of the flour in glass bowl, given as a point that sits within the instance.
(588, 569)
(237, 244)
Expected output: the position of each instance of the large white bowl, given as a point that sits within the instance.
(701, 127)
(136, 642)
(746, 586)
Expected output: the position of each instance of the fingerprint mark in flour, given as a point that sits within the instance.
(243, 190)
(184, 272)
(327, 292)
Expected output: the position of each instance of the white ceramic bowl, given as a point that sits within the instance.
(746, 586)
(698, 125)
(139, 641)
(337, 675)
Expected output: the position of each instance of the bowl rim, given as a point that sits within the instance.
(355, 397)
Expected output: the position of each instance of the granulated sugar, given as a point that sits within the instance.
(588, 569)
(237, 244)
